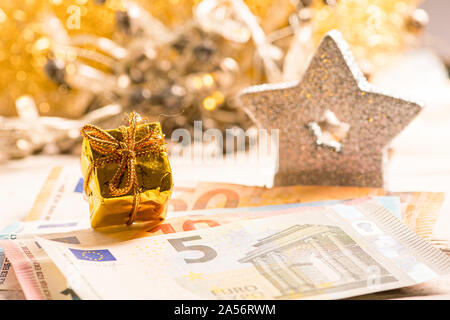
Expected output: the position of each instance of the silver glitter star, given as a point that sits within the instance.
(334, 128)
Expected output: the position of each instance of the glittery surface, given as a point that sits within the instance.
(332, 82)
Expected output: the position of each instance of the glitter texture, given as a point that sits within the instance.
(332, 83)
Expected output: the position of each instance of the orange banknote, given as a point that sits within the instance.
(61, 198)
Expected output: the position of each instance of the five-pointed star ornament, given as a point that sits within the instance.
(334, 128)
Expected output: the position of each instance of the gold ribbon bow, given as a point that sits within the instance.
(123, 152)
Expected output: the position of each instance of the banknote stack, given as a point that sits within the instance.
(226, 241)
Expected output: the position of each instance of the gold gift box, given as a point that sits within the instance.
(154, 177)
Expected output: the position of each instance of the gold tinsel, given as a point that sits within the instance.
(23, 50)
(374, 29)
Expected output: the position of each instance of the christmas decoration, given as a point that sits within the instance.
(334, 127)
(172, 76)
(24, 50)
(173, 61)
(375, 29)
(127, 173)
(30, 133)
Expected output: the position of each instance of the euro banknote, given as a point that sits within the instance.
(61, 198)
(321, 253)
(41, 279)
(8, 279)
(11, 295)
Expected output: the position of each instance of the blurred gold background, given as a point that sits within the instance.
(375, 29)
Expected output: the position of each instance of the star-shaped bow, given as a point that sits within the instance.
(334, 128)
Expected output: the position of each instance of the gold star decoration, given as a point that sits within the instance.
(334, 128)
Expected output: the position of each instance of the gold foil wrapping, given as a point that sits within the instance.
(154, 179)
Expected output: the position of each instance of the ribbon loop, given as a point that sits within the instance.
(124, 153)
